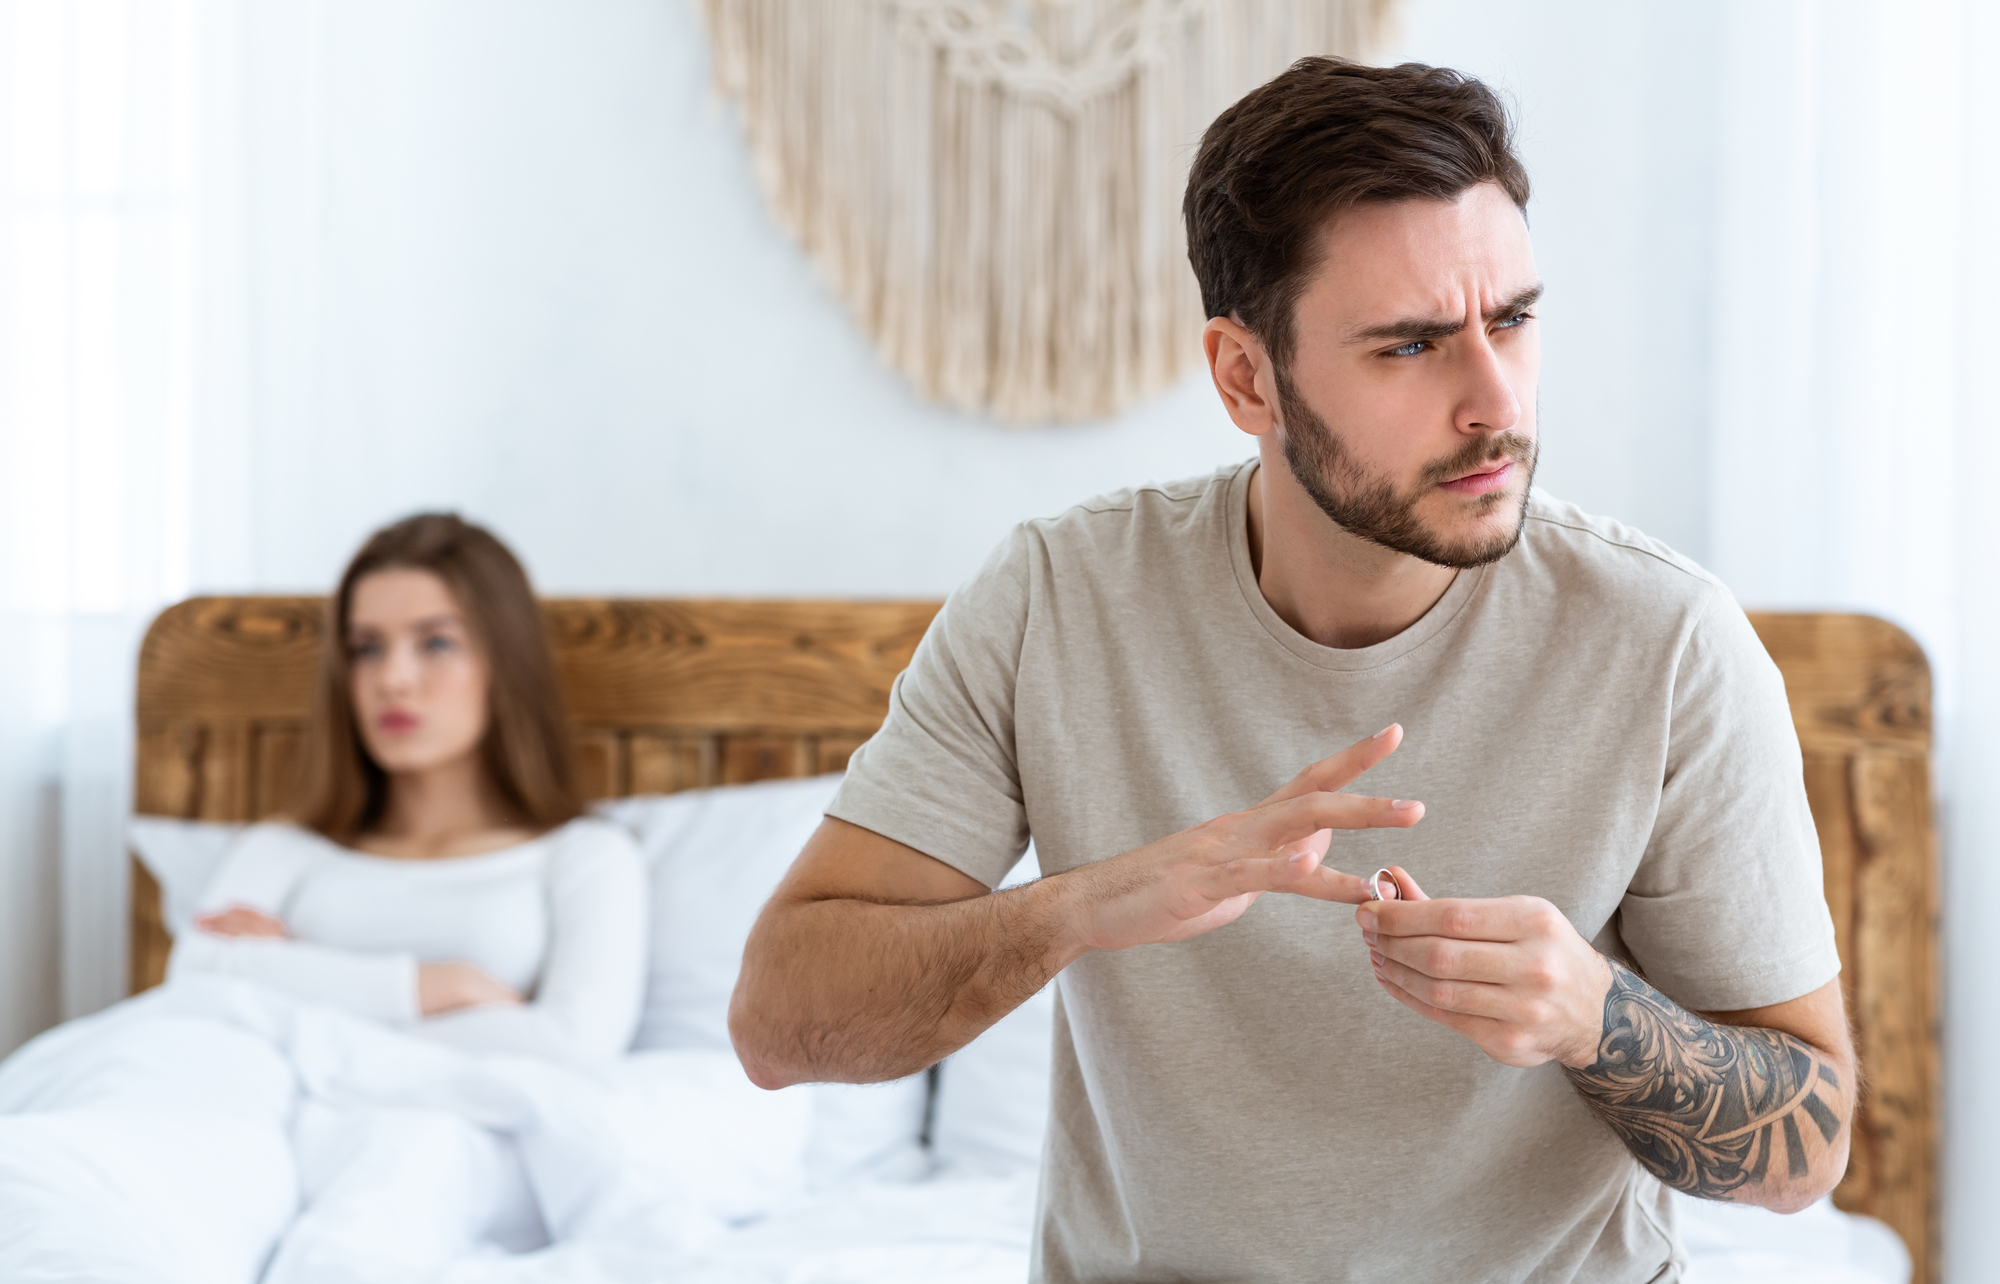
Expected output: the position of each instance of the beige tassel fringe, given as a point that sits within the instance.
(994, 186)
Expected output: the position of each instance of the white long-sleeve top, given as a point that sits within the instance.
(561, 919)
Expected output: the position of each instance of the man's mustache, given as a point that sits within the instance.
(1481, 450)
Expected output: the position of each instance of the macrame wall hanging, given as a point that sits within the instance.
(994, 186)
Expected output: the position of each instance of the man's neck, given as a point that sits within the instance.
(1335, 588)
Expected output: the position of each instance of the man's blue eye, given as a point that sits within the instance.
(1414, 348)
(1518, 318)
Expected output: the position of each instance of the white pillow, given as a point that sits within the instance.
(993, 1095)
(992, 1105)
(180, 855)
(867, 1132)
(1741, 1244)
(715, 855)
(698, 1127)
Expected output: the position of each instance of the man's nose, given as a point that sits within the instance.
(1488, 403)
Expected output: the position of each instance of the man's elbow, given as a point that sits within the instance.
(1802, 1193)
(1796, 1199)
(756, 1048)
(764, 1075)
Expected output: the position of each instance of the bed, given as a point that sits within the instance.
(673, 695)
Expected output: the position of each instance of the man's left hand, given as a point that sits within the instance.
(1511, 974)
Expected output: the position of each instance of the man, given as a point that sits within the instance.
(1628, 976)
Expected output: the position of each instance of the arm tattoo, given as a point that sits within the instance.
(1702, 1106)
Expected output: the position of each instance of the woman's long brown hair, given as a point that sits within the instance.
(340, 790)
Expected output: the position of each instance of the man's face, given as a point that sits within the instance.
(1407, 410)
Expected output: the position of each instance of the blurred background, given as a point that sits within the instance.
(273, 273)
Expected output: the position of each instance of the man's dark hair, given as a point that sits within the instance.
(1324, 136)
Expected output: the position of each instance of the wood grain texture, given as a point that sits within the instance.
(1861, 700)
(834, 751)
(1855, 682)
(600, 764)
(667, 763)
(146, 964)
(665, 695)
(230, 659)
(274, 749)
(671, 695)
(799, 667)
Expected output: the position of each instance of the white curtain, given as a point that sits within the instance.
(1855, 439)
(120, 349)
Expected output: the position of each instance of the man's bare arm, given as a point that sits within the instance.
(1749, 1106)
(1752, 1107)
(873, 960)
(863, 919)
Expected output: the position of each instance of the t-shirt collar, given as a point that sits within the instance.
(1235, 513)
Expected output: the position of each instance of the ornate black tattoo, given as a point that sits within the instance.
(1700, 1105)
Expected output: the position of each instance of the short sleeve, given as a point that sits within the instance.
(941, 775)
(1727, 910)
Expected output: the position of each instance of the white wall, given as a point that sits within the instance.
(507, 256)
(528, 275)
(1616, 104)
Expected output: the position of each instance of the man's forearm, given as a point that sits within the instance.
(845, 990)
(1719, 1111)
(874, 959)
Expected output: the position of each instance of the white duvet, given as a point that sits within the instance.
(176, 1135)
(216, 1131)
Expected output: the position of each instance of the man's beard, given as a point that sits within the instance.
(1371, 508)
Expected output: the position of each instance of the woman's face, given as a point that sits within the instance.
(418, 678)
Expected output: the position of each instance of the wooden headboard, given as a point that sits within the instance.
(1861, 699)
(665, 695)
(671, 695)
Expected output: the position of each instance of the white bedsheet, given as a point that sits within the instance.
(178, 1135)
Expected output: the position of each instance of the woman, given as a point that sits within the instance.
(437, 875)
(437, 872)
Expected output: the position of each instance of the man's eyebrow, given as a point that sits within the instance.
(1522, 300)
(1431, 329)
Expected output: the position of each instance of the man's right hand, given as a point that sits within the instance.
(1203, 878)
(873, 960)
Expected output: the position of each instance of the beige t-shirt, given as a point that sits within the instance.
(1590, 719)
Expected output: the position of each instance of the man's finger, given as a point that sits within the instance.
(1255, 872)
(1469, 998)
(1445, 958)
(1341, 769)
(1313, 844)
(1406, 886)
(1511, 918)
(1472, 1027)
(1324, 884)
(1304, 873)
(1280, 823)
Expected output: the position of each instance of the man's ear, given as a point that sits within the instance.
(1243, 375)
